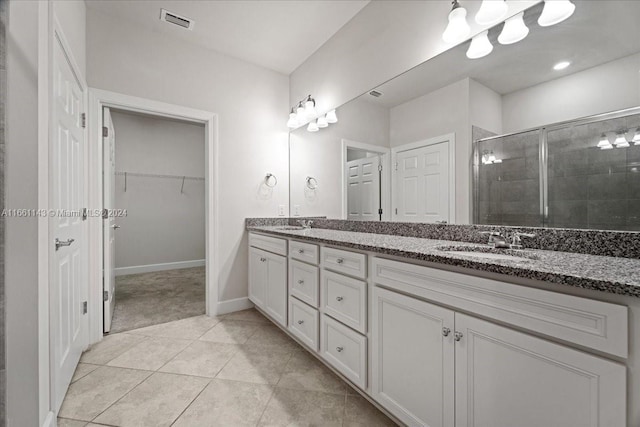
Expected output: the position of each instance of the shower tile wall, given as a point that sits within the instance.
(590, 187)
(508, 193)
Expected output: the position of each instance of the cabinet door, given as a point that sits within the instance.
(413, 359)
(506, 378)
(276, 288)
(257, 276)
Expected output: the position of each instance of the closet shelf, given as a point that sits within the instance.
(153, 175)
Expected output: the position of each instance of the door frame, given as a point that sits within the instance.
(385, 182)
(98, 99)
(451, 139)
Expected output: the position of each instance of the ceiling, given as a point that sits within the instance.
(597, 32)
(279, 35)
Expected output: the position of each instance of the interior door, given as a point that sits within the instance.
(109, 225)
(363, 189)
(68, 232)
(422, 184)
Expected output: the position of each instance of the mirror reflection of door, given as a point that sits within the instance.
(421, 182)
(364, 191)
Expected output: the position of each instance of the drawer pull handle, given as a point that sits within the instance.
(300, 251)
(300, 282)
(300, 322)
(339, 298)
(339, 260)
(446, 332)
(339, 349)
(458, 336)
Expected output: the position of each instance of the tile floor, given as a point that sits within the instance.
(235, 370)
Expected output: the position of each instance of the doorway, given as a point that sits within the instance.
(154, 219)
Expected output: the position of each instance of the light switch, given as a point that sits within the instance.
(281, 210)
(296, 210)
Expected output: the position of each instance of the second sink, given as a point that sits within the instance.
(490, 253)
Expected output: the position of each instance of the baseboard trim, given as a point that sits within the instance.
(136, 269)
(50, 420)
(232, 305)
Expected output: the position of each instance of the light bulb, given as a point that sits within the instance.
(322, 122)
(604, 141)
(310, 108)
(514, 30)
(301, 113)
(491, 158)
(331, 117)
(636, 138)
(561, 65)
(313, 126)
(457, 30)
(621, 141)
(555, 11)
(491, 12)
(480, 46)
(293, 120)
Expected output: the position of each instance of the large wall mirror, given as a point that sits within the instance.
(504, 139)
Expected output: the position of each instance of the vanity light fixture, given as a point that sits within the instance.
(636, 138)
(310, 107)
(491, 12)
(514, 30)
(458, 29)
(322, 122)
(604, 143)
(555, 11)
(561, 65)
(292, 123)
(300, 113)
(488, 158)
(480, 46)
(621, 141)
(313, 126)
(305, 112)
(331, 117)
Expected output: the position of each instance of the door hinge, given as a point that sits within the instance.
(396, 211)
(83, 119)
(105, 295)
(396, 167)
(84, 214)
(84, 307)
(379, 168)
(379, 211)
(105, 131)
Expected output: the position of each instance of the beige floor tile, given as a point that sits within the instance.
(304, 372)
(191, 328)
(158, 401)
(272, 336)
(262, 365)
(64, 422)
(89, 396)
(359, 412)
(251, 315)
(231, 331)
(227, 403)
(303, 408)
(150, 354)
(201, 358)
(109, 348)
(82, 370)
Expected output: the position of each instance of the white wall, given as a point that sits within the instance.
(251, 103)
(608, 87)
(485, 107)
(319, 155)
(163, 224)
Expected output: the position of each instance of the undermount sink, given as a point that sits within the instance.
(490, 253)
(290, 227)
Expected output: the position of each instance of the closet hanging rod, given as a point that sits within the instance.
(153, 175)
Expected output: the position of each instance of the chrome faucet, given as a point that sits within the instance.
(516, 241)
(496, 239)
(306, 224)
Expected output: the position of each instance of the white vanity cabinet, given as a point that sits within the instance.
(268, 277)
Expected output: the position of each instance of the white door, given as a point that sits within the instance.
(412, 357)
(257, 276)
(421, 188)
(276, 290)
(109, 225)
(506, 378)
(363, 189)
(68, 232)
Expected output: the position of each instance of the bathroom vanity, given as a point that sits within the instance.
(442, 333)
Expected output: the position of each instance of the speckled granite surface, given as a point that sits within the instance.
(607, 274)
(595, 242)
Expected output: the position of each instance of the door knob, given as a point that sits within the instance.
(60, 243)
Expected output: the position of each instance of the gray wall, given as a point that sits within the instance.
(3, 95)
(162, 224)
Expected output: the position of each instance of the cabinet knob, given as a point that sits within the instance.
(300, 282)
(458, 336)
(339, 298)
(263, 259)
(300, 251)
(339, 349)
(300, 322)
(339, 260)
(446, 331)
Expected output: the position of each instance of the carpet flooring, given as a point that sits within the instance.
(163, 296)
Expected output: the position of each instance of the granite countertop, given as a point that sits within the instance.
(601, 273)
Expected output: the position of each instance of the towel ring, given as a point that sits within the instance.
(312, 183)
(268, 179)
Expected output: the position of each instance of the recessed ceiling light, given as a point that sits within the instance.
(561, 65)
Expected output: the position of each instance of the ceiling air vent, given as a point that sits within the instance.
(176, 19)
(375, 93)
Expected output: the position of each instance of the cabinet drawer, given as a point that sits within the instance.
(344, 299)
(594, 324)
(304, 252)
(351, 263)
(268, 243)
(303, 323)
(345, 350)
(303, 282)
